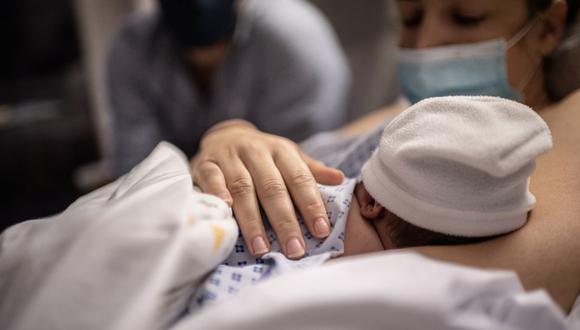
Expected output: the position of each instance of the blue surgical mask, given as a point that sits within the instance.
(467, 69)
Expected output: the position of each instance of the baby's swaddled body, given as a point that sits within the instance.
(241, 269)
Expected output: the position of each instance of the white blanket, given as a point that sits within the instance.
(391, 290)
(122, 257)
(126, 257)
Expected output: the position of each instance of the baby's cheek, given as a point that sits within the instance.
(360, 235)
(382, 229)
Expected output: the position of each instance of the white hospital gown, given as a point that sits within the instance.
(241, 269)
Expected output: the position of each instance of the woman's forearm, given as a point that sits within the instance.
(368, 122)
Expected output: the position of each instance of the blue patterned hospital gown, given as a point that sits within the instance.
(241, 269)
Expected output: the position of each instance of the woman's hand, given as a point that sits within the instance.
(248, 168)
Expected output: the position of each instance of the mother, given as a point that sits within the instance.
(473, 39)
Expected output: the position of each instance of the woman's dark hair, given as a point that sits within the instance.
(560, 68)
(538, 6)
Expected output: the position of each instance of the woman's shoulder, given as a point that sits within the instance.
(572, 99)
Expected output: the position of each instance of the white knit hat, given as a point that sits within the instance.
(459, 165)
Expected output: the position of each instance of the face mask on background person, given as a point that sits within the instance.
(467, 69)
(199, 23)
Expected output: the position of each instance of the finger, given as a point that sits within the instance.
(245, 205)
(275, 200)
(304, 191)
(322, 173)
(210, 179)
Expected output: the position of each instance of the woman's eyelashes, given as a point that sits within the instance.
(415, 19)
(468, 20)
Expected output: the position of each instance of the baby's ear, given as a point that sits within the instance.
(369, 208)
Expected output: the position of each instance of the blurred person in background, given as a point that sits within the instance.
(174, 73)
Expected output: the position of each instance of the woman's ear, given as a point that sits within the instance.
(553, 23)
(369, 208)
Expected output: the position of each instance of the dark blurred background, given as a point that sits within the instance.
(54, 126)
(46, 130)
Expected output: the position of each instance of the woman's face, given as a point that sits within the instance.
(434, 23)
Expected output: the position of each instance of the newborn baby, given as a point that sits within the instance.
(448, 170)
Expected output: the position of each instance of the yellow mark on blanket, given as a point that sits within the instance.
(191, 221)
(218, 236)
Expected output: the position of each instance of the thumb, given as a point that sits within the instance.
(322, 173)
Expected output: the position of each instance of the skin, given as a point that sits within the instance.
(431, 23)
(246, 167)
(204, 62)
(231, 152)
(365, 230)
(546, 252)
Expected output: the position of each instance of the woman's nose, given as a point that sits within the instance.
(431, 33)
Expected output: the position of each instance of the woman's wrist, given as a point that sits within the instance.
(229, 124)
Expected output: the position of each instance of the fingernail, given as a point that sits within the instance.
(259, 245)
(321, 228)
(294, 249)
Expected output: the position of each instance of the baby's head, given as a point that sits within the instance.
(453, 170)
